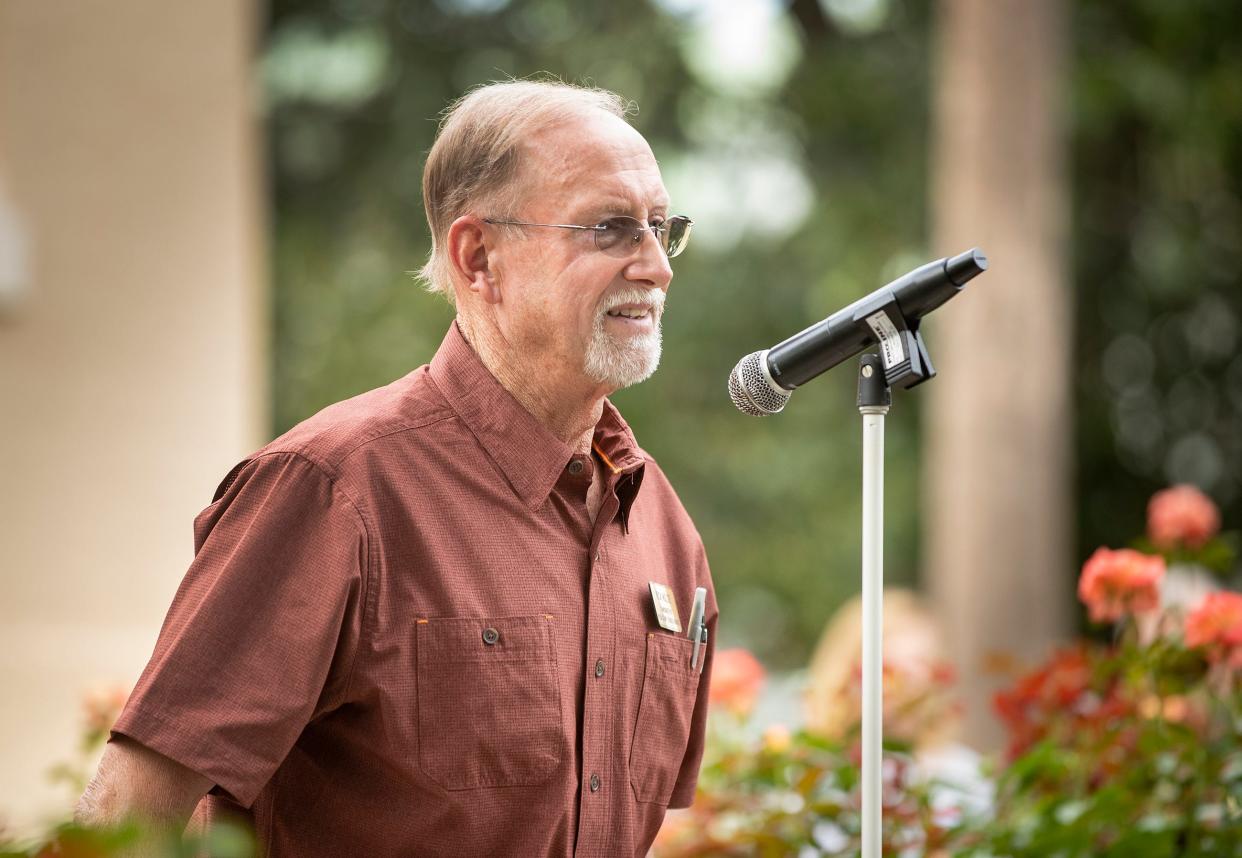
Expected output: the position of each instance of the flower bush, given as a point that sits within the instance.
(737, 678)
(1134, 748)
(1216, 627)
(1116, 583)
(796, 792)
(100, 709)
(1183, 526)
(1181, 517)
(1131, 748)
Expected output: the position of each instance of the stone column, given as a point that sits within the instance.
(133, 366)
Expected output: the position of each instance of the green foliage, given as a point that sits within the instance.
(70, 840)
(1156, 93)
(100, 709)
(1142, 786)
(1218, 555)
(801, 795)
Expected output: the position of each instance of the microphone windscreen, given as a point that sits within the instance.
(752, 391)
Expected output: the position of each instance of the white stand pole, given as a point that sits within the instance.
(872, 623)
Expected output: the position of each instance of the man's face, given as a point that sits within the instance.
(574, 311)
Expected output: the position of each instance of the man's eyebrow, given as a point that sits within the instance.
(620, 204)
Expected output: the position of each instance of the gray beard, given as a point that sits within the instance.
(621, 363)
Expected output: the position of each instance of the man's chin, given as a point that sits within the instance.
(618, 365)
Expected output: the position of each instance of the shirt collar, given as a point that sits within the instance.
(530, 456)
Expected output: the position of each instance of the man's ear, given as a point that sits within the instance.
(469, 257)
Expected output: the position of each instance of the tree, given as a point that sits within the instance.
(996, 437)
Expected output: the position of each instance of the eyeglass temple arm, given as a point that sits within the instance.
(556, 225)
(659, 227)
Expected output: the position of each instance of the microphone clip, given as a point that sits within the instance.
(902, 350)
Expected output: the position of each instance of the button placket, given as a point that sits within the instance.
(598, 715)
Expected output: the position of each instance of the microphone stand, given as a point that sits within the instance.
(874, 399)
(902, 361)
(762, 383)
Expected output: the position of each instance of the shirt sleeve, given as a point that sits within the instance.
(262, 632)
(688, 776)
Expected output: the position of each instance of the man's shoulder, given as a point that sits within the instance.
(652, 472)
(659, 498)
(331, 437)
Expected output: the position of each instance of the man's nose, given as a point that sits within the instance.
(650, 263)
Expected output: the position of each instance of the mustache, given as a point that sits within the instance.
(652, 297)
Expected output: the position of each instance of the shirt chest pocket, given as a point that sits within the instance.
(662, 731)
(489, 703)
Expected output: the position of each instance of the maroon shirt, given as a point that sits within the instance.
(402, 635)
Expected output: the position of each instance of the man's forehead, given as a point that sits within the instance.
(596, 159)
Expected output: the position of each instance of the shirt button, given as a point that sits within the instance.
(490, 636)
(575, 467)
(594, 782)
(599, 668)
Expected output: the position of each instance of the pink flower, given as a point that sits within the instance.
(737, 677)
(1217, 625)
(1181, 516)
(101, 707)
(1116, 583)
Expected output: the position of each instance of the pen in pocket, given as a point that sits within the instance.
(698, 629)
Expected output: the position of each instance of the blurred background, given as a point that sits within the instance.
(209, 213)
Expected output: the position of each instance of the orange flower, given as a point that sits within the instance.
(737, 677)
(1181, 516)
(677, 824)
(1063, 698)
(776, 738)
(1217, 625)
(1114, 583)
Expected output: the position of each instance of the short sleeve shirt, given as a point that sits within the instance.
(402, 634)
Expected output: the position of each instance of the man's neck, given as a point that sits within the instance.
(570, 415)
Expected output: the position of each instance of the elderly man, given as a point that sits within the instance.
(449, 616)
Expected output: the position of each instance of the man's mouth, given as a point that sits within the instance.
(630, 311)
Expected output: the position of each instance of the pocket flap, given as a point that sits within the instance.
(465, 639)
(672, 653)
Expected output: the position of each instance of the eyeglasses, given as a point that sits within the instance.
(622, 235)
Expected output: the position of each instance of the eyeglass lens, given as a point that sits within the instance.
(622, 235)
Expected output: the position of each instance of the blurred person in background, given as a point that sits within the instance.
(918, 704)
(435, 619)
(921, 709)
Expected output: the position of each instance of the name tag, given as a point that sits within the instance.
(665, 607)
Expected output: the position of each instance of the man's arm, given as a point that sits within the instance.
(134, 781)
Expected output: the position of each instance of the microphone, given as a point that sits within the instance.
(762, 382)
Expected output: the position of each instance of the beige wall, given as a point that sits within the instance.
(133, 368)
